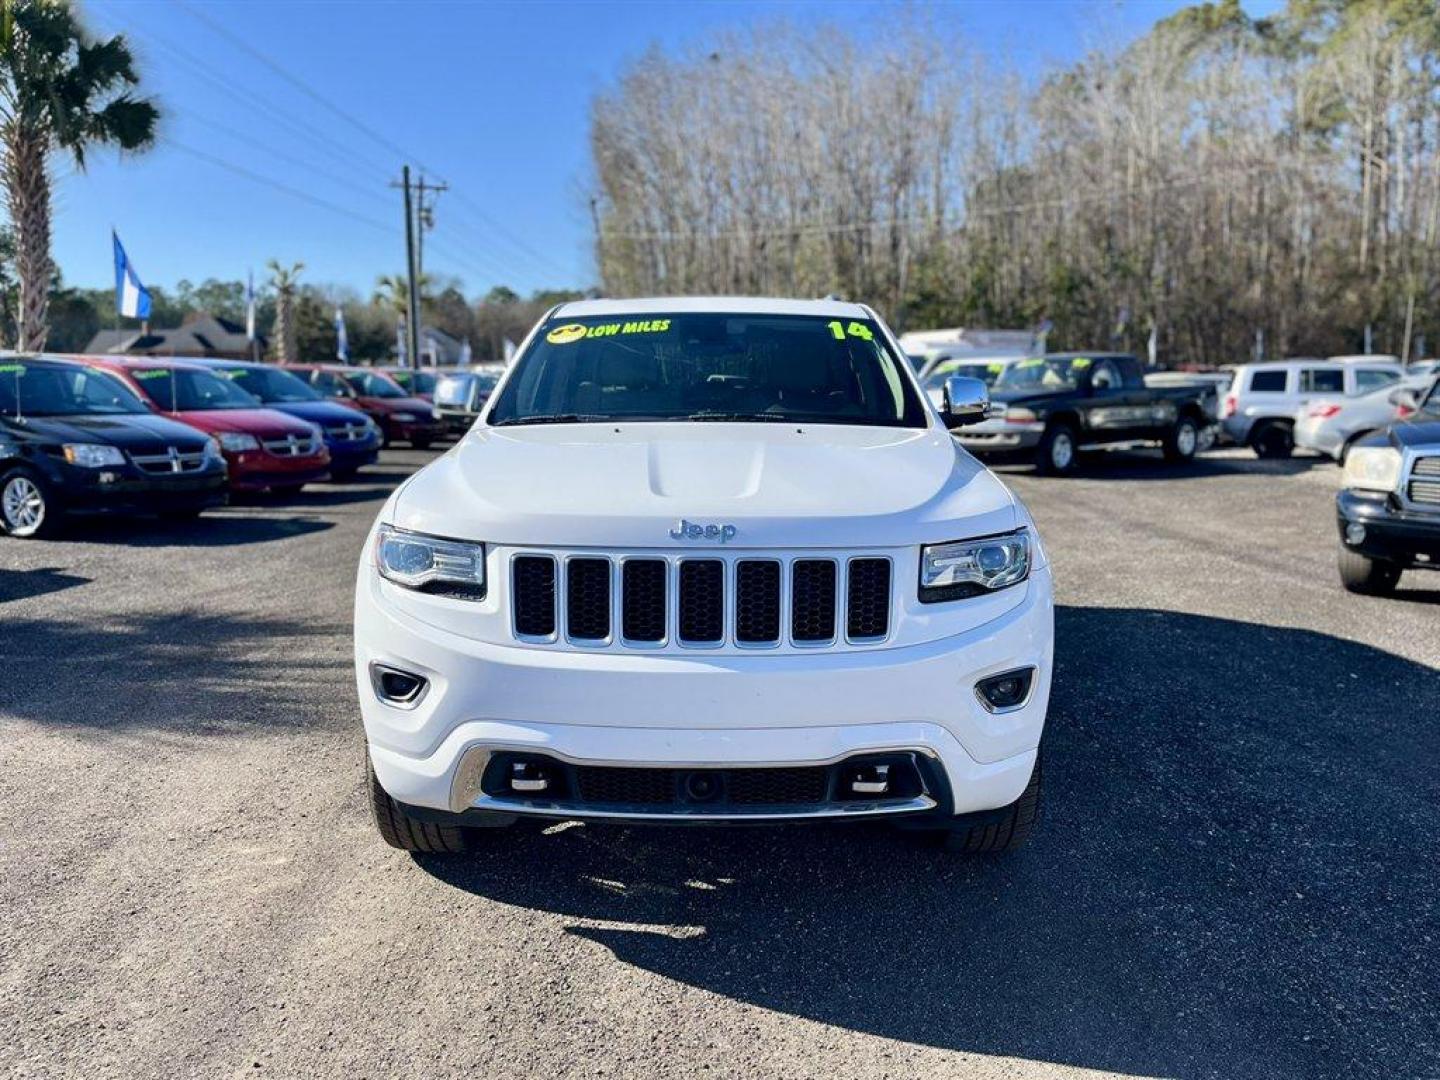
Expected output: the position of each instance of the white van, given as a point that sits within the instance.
(1259, 410)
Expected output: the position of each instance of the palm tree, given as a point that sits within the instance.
(283, 278)
(60, 89)
(393, 291)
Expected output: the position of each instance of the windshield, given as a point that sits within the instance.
(191, 390)
(985, 372)
(416, 382)
(38, 390)
(1043, 373)
(373, 384)
(710, 366)
(1431, 404)
(270, 385)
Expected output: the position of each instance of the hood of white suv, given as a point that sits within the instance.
(776, 485)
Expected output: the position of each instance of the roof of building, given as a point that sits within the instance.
(201, 334)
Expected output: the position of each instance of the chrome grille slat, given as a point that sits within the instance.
(1423, 486)
(165, 463)
(285, 448)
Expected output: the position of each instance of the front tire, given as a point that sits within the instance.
(1366, 576)
(1182, 441)
(400, 830)
(27, 511)
(1004, 833)
(1055, 456)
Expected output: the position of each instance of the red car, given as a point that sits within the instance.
(265, 449)
(402, 418)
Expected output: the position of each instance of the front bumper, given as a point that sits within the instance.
(1390, 533)
(410, 430)
(704, 711)
(349, 456)
(256, 470)
(458, 423)
(999, 437)
(131, 491)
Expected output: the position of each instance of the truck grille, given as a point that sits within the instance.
(654, 601)
(1425, 481)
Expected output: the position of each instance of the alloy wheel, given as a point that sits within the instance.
(23, 505)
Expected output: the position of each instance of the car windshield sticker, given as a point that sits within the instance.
(564, 335)
(150, 373)
(1080, 362)
(995, 369)
(855, 329)
(8, 368)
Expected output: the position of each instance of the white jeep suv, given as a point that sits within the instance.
(706, 560)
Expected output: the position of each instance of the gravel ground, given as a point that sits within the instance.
(1234, 877)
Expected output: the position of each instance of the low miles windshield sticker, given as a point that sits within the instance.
(564, 335)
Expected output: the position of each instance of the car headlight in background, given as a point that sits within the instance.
(971, 567)
(402, 417)
(93, 455)
(1014, 414)
(1373, 468)
(434, 413)
(237, 442)
(429, 564)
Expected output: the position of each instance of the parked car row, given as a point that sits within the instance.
(176, 436)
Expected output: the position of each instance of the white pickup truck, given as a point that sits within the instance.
(706, 561)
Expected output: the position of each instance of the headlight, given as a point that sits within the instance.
(429, 564)
(1373, 468)
(93, 455)
(972, 567)
(212, 450)
(238, 442)
(402, 417)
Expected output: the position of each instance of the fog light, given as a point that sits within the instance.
(1354, 533)
(395, 687)
(1008, 690)
(528, 777)
(870, 779)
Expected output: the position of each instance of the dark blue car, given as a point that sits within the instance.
(352, 438)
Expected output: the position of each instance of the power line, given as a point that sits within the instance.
(295, 81)
(271, 182)
(380, 139)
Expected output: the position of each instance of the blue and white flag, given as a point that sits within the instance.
(465, 353)
(342, 343)
(250, 305)
(131, 298)
(400, 350)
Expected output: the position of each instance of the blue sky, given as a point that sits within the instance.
(493, 97)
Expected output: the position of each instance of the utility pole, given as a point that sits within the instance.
(419, 216)
(424, 219)
(412, 300)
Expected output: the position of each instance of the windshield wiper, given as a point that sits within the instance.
(741, 417)
(554, 418)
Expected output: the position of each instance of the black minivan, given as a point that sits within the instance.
(77, 440)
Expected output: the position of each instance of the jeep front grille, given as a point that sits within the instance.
(648, 601)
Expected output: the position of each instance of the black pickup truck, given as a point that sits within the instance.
(1057, 404)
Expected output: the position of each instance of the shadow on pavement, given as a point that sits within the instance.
(1234, 875)
(208, 530)
(23, 584)
(185, 673)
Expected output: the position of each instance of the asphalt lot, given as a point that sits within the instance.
(1235, 874)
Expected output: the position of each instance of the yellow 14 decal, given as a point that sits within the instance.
(855, 329)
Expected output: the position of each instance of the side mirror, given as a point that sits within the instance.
(965, 401)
